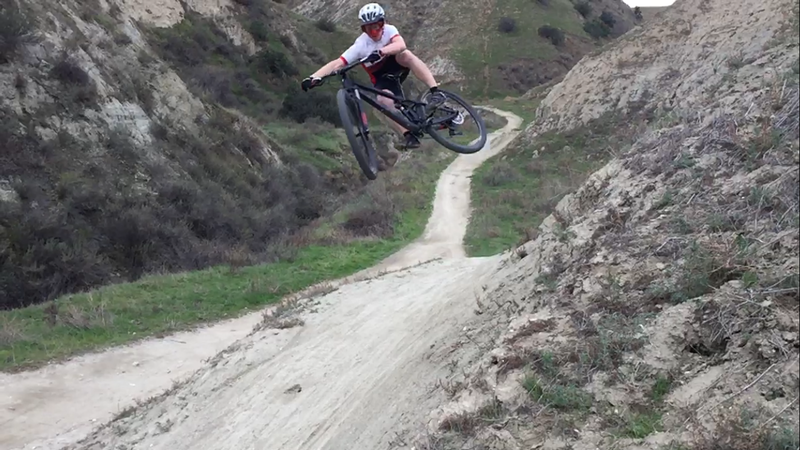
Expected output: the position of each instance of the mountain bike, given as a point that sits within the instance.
(411, 114)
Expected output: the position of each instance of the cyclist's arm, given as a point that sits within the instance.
(353, 53)
(336, 64)
(395, 46)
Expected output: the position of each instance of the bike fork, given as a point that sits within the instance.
(362, 116)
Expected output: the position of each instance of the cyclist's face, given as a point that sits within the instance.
(373, 30)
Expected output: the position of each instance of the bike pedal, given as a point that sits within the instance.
(456, 132)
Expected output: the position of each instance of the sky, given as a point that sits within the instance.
(645, 3)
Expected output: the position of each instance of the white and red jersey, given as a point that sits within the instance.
(364, 46)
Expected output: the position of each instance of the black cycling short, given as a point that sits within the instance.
(390, 75)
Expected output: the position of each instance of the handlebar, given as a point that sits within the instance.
(344, 69)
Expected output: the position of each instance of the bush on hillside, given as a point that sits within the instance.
(258, 30)
(596, 28)
(79, 225)
(583, 8)
(375, 217)
(555, 35)
(507, 25)
(299, 106)
(543, 2)
(274, 62)
(15, 30)
(214, 67)
(81, 90)
(608, 19)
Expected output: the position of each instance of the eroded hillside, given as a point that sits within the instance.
(493, 47)
(132, 139)
(657, 306)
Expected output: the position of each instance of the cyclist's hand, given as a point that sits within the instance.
(310, 82)
(373, 57)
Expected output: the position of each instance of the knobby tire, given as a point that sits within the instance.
(448, 143)
(362, 148)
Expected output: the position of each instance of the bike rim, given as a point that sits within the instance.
(463, 122)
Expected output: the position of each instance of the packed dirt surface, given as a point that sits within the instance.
(61, 403)
(311, 386)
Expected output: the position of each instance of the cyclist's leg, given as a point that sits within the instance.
(389, 104)
(386, 80)
(419, 68)
(391, 84)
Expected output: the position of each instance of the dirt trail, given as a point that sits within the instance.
(447, 225)
(358, 369)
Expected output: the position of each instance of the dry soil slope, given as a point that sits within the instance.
(461, 41)
(658, 306)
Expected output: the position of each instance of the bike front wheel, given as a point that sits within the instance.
(473, 129)
(353, 121)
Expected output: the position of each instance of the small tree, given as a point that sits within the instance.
(507, 25)
(637, 12)
(554, 34)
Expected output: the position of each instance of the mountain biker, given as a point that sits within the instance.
(388, 64)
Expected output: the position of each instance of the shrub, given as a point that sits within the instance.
(554, 34)
(500, 174)
(274, 62)
(302, 106)
(15, 31)
(608, 19)
(196, 40)
(326, 24)
(583, 8)
(507, 25)
(375, 216)
(637, 12)
(596, 28)
(543, 2)
(81, 89)
(68, 72)
(258, 30)
(78, 227)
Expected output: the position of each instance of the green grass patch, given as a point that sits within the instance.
(492, 47)
(156, 305)
(514, 192)
(661, 388)
(642, 424)
(567, 397)
(314, 142)
(524, 108)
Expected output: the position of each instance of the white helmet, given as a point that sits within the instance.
(371, 13)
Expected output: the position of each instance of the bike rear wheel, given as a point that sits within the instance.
(467, 113)
(353, 122)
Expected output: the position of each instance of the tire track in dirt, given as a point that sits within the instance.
(356, 371)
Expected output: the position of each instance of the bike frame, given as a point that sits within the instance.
(418, 121)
